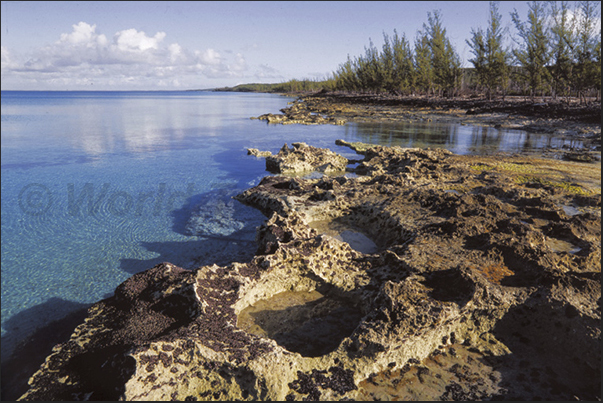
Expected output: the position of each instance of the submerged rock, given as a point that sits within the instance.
(218, 215)
(461, 298)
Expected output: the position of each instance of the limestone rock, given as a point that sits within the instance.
(303, 158)
(464, 298)
(257, 153)
(298, 113)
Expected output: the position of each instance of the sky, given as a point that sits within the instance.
(172, 45)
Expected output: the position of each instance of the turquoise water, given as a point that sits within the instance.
(97, 186)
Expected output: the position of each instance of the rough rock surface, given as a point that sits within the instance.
(485, 285)
(298, 113)
(580, 124)
(301, 158)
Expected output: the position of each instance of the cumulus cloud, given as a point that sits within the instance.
(209, 57)
(83, 34)
(85, 56)
(131, 40)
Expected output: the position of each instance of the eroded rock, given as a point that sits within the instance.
(302, 158)
(462, 285)
(257, 153)
(298, 113)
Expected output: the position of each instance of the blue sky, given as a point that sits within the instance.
(148, 45)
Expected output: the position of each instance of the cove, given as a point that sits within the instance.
(97, 186)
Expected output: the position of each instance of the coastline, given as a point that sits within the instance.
(553, 117)
(185, 339)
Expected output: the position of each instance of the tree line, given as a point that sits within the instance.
(285, 87)
(556, 52)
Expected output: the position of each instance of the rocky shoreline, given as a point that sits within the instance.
(556, 118)
(482, 282)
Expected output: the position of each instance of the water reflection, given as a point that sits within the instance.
(114, 123)
(460, 139)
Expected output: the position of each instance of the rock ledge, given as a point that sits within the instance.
(301, 158)
(476, 291)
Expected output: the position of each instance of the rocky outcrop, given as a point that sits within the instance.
(571, 123)
(301, 158)
(483, 285)
(298, 113)
(257, 153)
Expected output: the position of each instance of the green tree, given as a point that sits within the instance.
(499, 57)
(444, 59)
(387, 65)
(424, 75)
(562, 42)
(368, 69)
(586, 71)
(491, 59)
(403, 73)
(477, 43)
(346, 78)
(533, 53)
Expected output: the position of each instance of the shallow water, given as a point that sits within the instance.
(339, 229)
(559, 246)
(305, 322)
(460, 139)
(97, 186)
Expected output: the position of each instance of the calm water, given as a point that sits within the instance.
(97, 186)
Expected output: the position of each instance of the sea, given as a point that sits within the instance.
(98, 186)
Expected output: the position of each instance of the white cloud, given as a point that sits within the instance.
(84, 34)
(209, 57)
(5, 58)
(131, 58)
(135, 41)
(176, 53)
(239, 63)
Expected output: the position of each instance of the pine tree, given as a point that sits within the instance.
(422, 64)
(478, 48)
(368, 69)
(345, 77)
(563, 40)
(586, 71)
(444, 59)
(533, 54)
(387, 63)
(491, 60)
(498, 58)
(403, 74)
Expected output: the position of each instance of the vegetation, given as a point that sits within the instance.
(533, 54)
(557, 52)
(285, 87)
(444, 60)
(433, 68)
(562, 31)
(492, 60)
(586, 48)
